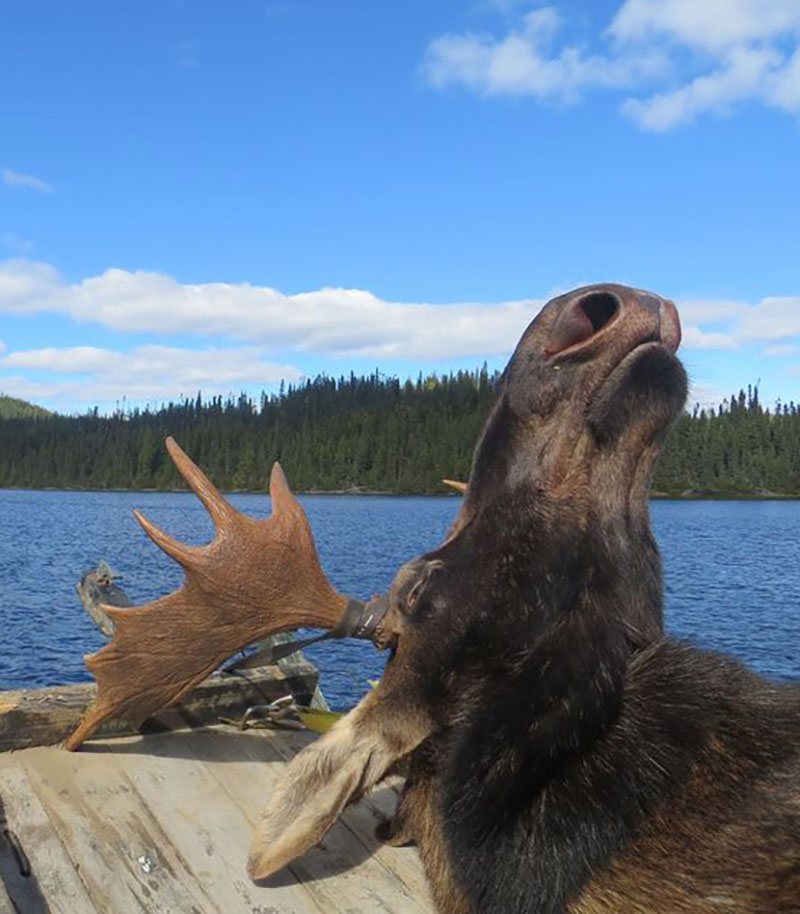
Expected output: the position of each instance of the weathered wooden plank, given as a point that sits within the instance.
(23, 893)
(44, 717)
(339, 870)
(363, 817)
(207, 828)
(125, 861)
(51, 867)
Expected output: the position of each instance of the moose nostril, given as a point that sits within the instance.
(581, 319)
(599, 307)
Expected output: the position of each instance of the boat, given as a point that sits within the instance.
(160, 820)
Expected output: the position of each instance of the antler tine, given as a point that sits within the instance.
(283, 499)
(179, 551)
(458, 486)
(216, 505)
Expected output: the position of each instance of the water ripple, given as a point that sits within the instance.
(731, 569)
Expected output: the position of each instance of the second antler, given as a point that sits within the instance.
(254, 579)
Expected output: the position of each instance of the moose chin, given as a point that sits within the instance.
(561, 754)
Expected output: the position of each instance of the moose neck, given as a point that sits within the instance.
(538, 727)
(569, 508)
(622, 541)
(580, 599)
(553, 553)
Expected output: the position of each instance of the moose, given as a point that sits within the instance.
(561, 753)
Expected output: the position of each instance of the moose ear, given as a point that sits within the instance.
(411, 583)
(319, 782)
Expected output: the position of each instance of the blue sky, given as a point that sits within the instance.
(197, 195)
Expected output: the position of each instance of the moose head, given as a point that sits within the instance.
(528, 612)
(560, 753)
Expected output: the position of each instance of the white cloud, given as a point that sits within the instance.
(775, 318)
(734, 323)
(709, 311)
(333, 322)
(746, 73)
(521, 62)
(703, 395)
(145, 373)
(345, 322)
(709, 24)
(683, 58)
(27, 286)
(264, 327)
(76, 359)
(18, 179)
(784, 88)
(695, 338)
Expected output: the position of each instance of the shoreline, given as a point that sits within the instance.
(686, 495)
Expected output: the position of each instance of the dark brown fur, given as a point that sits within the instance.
(699, 788)
(563, 755)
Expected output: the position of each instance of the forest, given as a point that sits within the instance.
(370, 433)
(12, 408)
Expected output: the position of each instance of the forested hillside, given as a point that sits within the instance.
(372, 433)
(11, 408)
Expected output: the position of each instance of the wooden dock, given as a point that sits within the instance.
(162, 823)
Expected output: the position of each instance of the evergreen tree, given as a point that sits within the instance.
(372, 433)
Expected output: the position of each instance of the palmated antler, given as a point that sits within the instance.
(254, 579)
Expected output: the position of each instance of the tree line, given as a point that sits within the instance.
(12, 408)
(371, 433)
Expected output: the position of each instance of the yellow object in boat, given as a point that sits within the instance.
(318, 720)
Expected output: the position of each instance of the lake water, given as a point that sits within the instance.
(732, 572)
